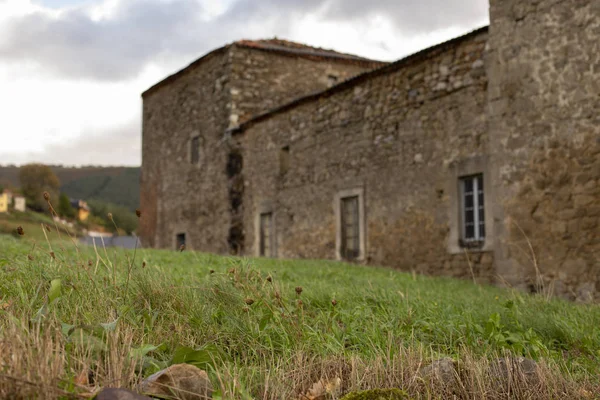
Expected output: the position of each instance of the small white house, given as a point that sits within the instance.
(19, 204)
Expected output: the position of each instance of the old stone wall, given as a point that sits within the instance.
(203, 200)
(262, 80)
(400, 136)
(178, 196)
(544, 114)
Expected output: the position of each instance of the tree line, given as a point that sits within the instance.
(35, 179)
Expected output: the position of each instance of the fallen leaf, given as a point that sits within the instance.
(5, 305)
(321, 389)
(82, 378)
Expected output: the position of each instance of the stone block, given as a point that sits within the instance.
(575, 268)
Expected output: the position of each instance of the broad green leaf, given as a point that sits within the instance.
(109, 326)
(40, 314)
(202, 358)
(89, 342)
(55, 290)
(67, 329)
(143, 350)
(266, 318)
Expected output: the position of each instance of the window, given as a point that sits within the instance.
(332, 79)
(472, 210)
(266, 235)
(180, 240)
(284, 160)
(195, 150)
(350, 229)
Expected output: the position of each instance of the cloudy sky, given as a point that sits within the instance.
(72, 71)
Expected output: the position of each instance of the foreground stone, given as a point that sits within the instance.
(119, 394)
(180, 381)
(377, 394)
(510, 369)
(442, 370)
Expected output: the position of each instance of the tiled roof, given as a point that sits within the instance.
(385, 69)
(286, 46)
(278, 46)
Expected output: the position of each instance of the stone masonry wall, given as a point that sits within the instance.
(262, 80)
(205, 99)
(401, 135)
(176, 195)
(544, 113)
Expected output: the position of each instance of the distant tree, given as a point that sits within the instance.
(35, 180)
(65, 209)
(124, 218)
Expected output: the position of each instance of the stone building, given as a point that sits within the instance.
(476, 158)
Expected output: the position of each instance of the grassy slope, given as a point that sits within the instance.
(117, 185)
(31, 224)
(384, 320)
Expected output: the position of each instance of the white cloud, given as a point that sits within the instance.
(72, 76)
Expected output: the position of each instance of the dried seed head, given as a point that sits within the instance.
(143, 264)
(89, 263)
(298, 290)
(138, 212)
(277, 295)
(48, 228)
(212, 271)
(334, 302)
(182, 247)
(300, 303)
(30, 257)
(46, 196)
(269, 279)
(52, 255)
(20, 230)
(249, 302)
(109, 215)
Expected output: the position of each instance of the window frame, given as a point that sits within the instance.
(177, 240)
(348, 241)
(449, 196)
(478, 207)
(195, 149)
(338, 211)
(284, 160)
(261, 235)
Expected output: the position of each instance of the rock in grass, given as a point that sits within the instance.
(119, 394)
(377, 394)
(507, 369)
(179, 381)
(442, 370)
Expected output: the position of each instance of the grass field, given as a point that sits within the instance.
(32, 222)
(271, 329)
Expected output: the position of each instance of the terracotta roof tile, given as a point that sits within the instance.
(278, 46)
(385, 69)
(286, 46)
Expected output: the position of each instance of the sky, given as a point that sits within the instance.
(72, 71)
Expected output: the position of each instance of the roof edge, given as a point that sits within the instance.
(182, 71)
(391, 67)
(312, 54)
(341, 57)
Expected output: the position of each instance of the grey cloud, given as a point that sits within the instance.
(75, 46)
(118, 146)
(414, 17)
(410, 17)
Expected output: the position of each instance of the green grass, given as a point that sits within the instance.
(31, 222)
(224, 315)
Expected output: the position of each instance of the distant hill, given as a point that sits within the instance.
(118, 185)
